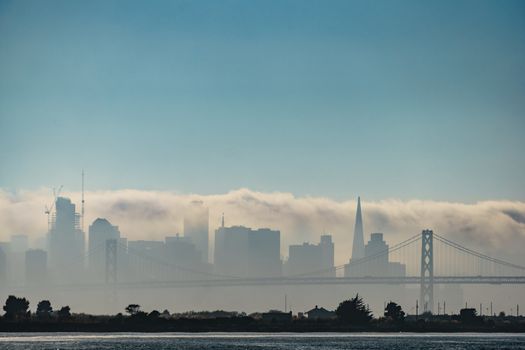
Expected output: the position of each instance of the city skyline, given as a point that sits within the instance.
(490, 225)
(250, 155)
(240, 252)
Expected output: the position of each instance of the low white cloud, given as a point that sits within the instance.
(493, 227)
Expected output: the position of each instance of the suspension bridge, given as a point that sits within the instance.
(428, 259)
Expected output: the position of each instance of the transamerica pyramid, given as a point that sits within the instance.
(358, 248)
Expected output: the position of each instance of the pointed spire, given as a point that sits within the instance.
(223, 220)
(358, 248)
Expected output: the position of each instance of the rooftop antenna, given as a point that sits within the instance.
(223, 220)
(82, 222)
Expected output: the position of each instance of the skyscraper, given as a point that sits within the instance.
(36, 267)
(100, 231)
(181, 253)
(196, 227)
(375, 247)
(311, 259)
(66, 241)
(358, 248)
(327, 255)
(241, 251)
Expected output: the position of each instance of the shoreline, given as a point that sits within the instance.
(104, 329)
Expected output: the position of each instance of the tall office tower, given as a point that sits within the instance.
(36, 267)
(358, 248)
(196, 227)
(311, 259)
(241, 251)
(327, 255)
(18, 245)
(66, 242)
(377, 263)
(100, 231)
(181, 253)
(377, 266)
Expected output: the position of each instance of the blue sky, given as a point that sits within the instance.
(404, 99)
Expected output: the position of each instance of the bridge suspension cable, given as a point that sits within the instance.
(476, 253)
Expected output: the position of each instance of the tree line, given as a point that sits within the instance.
(18, 309)
(352, 314)
(351, 311)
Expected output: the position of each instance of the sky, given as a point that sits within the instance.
(387, 99)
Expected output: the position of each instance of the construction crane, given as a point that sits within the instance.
(49, 209)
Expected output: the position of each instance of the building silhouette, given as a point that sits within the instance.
(100, 231)
(375, 246)
(146, 248)
(181, 253)
(15, 256)
(376, 261)
(320, 313)
(311, 259)
(372, 259)
(149, 253)
(380, 265)
(241, 251)
(196, 227)
(174, 258)
(66, 242)
(181, 250)
(36, 267)
(358, 247)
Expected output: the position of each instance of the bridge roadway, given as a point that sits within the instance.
(285, 281)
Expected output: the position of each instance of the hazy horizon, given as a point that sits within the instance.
(492, 226)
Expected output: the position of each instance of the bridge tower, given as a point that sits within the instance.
(426, 299)
(111, 261)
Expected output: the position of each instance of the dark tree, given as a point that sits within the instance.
(467, 315)
(44, 309)
(16, 307)
(354, 311)
(394, 312)
(64, 312)
(133, 309)
(154, 314)
(166, 313)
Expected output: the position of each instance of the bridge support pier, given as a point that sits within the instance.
(426, 298)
